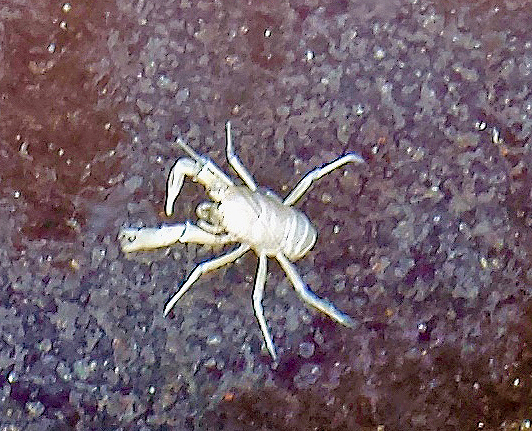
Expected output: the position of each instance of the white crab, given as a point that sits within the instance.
(258, 219)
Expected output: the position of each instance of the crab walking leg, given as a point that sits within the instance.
(317, 173)
(203, 268)
(258, 291)
(147, 238)
(309, 297)
(235, 162)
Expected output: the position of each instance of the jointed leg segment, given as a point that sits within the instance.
(317, 173)
(260, 280)
(309, 297)
(235, 162)
(203, 268)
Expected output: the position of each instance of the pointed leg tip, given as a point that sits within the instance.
(273, 354)
(169, 206)
(348, 322)
(357, 158)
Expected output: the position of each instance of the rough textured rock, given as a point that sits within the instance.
(427, 247)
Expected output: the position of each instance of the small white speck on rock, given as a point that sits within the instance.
(307, 376)
(214, 339)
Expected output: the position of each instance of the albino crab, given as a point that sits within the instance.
(257, 219)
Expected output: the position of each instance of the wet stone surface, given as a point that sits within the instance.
(426, 247)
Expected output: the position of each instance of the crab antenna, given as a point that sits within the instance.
(228, 132)
(188, 149)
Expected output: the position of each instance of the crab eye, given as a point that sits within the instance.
(208, 211)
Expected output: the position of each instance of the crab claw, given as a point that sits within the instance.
(200, 169)
(182, 167)
(147, 238)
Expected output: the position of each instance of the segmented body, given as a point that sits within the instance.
(261, 220)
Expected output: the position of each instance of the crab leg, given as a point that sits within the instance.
(235, 162)
(310, 298)
(260, 280)
(317, 173)
(202, 268)
(146, 238)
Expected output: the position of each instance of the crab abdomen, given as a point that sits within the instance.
(260, 220)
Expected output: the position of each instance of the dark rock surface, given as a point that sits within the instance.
(428, 247)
